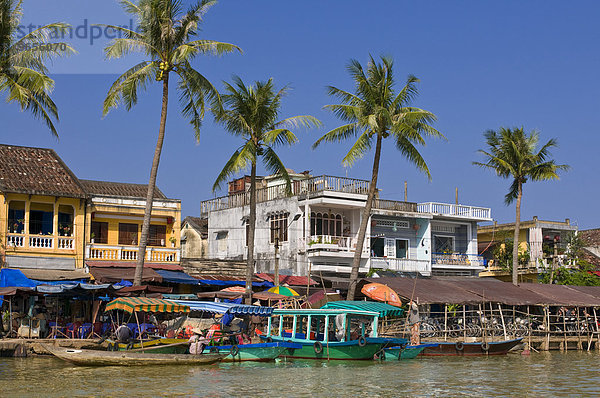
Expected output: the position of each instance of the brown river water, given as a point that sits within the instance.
(544, 374)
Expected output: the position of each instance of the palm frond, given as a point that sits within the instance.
(279, 137)
(124, 89)
(241, 159)
(359, 149)
(275, 166)
(338, 134)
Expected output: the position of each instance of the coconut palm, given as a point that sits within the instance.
(375, 112)
(252, 113)
(512, 153)
(23, 71)
(163, 37)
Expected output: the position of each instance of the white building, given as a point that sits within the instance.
(317, 228)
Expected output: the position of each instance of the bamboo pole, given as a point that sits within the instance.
(597, 334)
(579, 346)
(445, 322)
(547, 309)
(502, 318)
(528, 326)
(138, 325)
(464, 322)
(566, 348)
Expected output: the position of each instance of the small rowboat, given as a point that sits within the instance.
(404, 352)
(128, 358)
(253, 352)
(472, 349)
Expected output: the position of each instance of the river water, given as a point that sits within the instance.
(544, 374)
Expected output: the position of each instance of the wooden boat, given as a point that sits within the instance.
(253, 352)
(472, 349)
(311, 329)
(129, 358)
(404, 352)
(159, 345)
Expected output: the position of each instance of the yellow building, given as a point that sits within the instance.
(537, 237)
(42, 211)
(52, 221)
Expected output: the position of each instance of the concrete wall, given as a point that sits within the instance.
(194, 246)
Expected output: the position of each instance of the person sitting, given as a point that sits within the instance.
(197, 342)
(123, 333)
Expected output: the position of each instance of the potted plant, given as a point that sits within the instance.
(172, 239)
(133, 238)
(6, 321)
(92, 236)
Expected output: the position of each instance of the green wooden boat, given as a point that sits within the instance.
(162, 346)
(262, 352)
(314, 330)
(403, 352)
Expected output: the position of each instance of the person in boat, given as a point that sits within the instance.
(414, 321)
(123, 334)
(197, 342)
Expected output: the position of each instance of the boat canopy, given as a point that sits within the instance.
(225, 308)
(382, 308)
(324, 312)
(146, 304)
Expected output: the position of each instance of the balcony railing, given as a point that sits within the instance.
(401, 264)
(25, 241)
(458, 259)
(130, 253)
(328, 243)
(448, 209)
(383, 204)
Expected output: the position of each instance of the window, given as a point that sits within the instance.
(157, 235)
(279, 227)
(41, 219)
(65, 220)
(401, 248)
(377, 247)
(222, 241)
(16, 217)
(100, 232)
(326, 224)
(128, 234)
(443, 244)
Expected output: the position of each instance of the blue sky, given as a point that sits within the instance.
(482, 65)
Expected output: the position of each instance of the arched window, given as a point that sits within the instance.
(326, 224)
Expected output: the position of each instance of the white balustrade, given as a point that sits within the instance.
(400, 264)
(16, 240)
(448, 209)
(66, 243)
(41, 242)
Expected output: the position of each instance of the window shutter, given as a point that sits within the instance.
(390, 248)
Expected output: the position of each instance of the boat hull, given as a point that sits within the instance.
(262, 352)
(345, 350)
(408, 352)
(124, 358)
(471, 349)
(162, 346)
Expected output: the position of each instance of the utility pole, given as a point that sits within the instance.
(405, 191)
(276, 274)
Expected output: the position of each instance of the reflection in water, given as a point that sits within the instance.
(558, 374)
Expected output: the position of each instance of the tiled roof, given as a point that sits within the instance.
(36, 171)
(119, 189)
(199, 224)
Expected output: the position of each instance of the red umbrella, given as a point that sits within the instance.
(381, 292)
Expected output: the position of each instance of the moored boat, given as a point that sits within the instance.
(262, 352)
(472, 348)
(404, 352)
(331, 334)
(129, 358)
(158, 345)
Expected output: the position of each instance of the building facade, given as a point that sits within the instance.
(314, 230)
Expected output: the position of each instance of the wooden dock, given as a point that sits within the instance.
(25, 347)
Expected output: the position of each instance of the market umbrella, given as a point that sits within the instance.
(380, 292)
(283, 290)
(235, 289)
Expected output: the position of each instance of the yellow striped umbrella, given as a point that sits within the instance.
(283, 290)
(146, 304)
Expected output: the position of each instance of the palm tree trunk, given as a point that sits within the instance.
(251, 231)
(364, 222)
(515, 254)
(139, 268)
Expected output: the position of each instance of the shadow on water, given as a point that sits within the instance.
(555, 374)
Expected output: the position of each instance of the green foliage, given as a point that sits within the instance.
(163, 38)
(503, 255)
(453, 308)
(580, 276)
(252, 113)
(574, 246)
(377, 109)
(513, 154)
(23, 71)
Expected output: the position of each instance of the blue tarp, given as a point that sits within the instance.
(68, 287)
(15, 278)
(176, 277)
(226, 308)
(213, 282)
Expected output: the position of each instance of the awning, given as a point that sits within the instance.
(226, 308)
(74, 289)
(132, 304)
(132, 264)
(214, 281)
(288, 279)
(54, 275)
(177, 277)
(373, 306)
(15, 278)
(133, 291)
(13, 291)
(235, 295)
(115, 275)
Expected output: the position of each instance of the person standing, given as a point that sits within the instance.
(414, 321)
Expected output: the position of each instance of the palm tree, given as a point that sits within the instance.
(163, 36)
(511, 153)
(252, 113)
(374, 112)
(23, 71)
